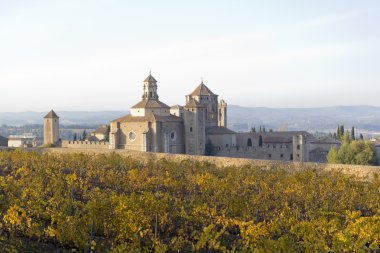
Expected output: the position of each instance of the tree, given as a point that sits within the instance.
(264, 129)
(253, 130)
(361, 137)
(356, 152)
(75, 137)
(107, 135)
(341, 131)
(338, 132)
(260, 129)
(353, 133)
(84, 135)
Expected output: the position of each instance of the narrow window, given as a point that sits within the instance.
(298, 147)
(191, 129)
(249, 142)
(260, 141)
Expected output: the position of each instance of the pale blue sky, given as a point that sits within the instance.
(93, 55)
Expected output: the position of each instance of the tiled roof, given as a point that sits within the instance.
(150, 103)
(219, 130)
(202, 89)
(326, 140)
(149, 117)
(101, 130)
(51, 115)
(150, 78)
(193, 104)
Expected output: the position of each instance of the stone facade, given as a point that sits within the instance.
(198, 128)
(297, 146)
(51, 128)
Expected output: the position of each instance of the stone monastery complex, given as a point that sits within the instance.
(197, 128)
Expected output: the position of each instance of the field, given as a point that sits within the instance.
(111, 203)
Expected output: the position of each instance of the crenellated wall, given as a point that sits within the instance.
(85, 144)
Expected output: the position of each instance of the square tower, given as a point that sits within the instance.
(51, 128)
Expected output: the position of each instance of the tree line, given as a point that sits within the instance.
(352, 150)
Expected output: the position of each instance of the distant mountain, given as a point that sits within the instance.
(324, 119)
(66, 117)
(366, 119)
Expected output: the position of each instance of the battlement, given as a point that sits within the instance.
(85, 144)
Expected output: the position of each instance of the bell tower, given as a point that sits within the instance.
(51, 128)
(222, 113)
(150, 88)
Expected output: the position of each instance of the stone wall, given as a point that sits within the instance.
(84, 145)
(356, 170)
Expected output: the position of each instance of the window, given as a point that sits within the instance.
(282, 155)
(274, 146)
(298, 147)
(269, 155)
(132, 136)
(291, 157)
(249, 142)
(260, 141)
(173, 135)
(150, 94)
(298, 155)
(191, 129)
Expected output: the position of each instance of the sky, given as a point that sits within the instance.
(93, 55)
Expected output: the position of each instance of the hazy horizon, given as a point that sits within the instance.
(93, 56)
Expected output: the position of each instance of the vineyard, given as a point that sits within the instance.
(110, 203)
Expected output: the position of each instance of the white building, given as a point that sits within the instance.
(27, 140)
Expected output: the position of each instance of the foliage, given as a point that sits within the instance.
(356, 152)
(108, 203)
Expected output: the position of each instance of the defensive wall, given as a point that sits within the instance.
(85, 144)
(357, 170)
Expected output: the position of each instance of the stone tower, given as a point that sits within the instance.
(150, 88)
(194, 116)
(222, 113)
(204, 96)
(300, 148)
(51, 128)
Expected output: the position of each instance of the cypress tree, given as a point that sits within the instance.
(353, 133)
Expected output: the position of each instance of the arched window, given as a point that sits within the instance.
(249, 142)
(260, 141)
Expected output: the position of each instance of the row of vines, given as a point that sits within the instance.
(110, 203)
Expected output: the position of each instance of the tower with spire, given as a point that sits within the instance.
(150, 88)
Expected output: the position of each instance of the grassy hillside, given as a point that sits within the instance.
(112, 203)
